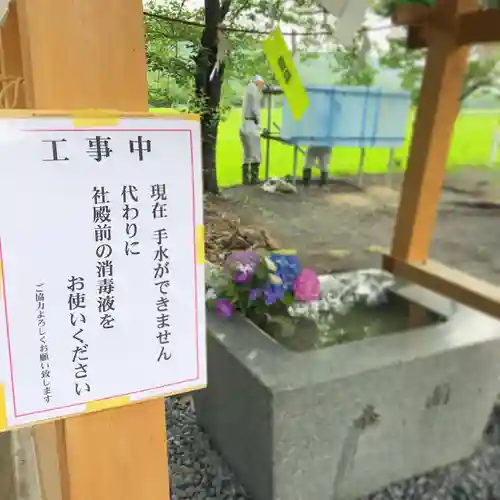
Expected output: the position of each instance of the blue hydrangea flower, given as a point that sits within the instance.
(273, 293)
(288, 268)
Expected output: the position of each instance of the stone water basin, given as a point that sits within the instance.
(397, 381)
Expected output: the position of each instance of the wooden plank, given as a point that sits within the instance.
(47, 453)
(479, 27)
(416, 38)
(86, 53)
(25, 465)
(412, 13)
(77, 55)
(452, 283)
(473, 28)
(118, 454)
(7, 475)
(432, 132)
(11, 62)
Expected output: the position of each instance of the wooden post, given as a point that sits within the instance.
(75, 55)
(11, 62)
(438, 108)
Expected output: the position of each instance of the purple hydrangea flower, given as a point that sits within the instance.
(242, 265)
(224, 308)
(273, 293)
(254, 294)
(243, 273)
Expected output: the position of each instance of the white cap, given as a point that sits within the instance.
(258, 78)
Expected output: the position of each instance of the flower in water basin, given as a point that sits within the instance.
(287, 268)
(224, 308)
(242, 273)
(306, 287)
(254, 294)
(271, 295)
(242, 265)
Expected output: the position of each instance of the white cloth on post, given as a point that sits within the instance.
(250, 126)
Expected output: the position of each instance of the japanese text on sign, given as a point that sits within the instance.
(281, 62)
(109, 267)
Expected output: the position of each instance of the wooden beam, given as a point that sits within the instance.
(91, 54)
(11, 63)
(411, 13)
(479, 27)
(442, 82)
(473, 28)
(452, 283)
(87, 53)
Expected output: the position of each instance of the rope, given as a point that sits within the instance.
(7, 83)
(185, 22)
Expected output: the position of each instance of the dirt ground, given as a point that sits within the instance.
(341, 227)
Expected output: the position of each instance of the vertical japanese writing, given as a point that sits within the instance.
(159, 197)
(161, 263)
(77, 304)
(287, 75)
(104, 252)
(42, 335)
(130, 214)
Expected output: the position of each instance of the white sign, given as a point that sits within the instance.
(350, 16)
(102, 294)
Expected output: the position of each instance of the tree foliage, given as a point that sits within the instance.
(182, 56)
(482, 76)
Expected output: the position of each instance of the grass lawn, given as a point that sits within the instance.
(471, 146)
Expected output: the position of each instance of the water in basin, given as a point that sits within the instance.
(393, 314)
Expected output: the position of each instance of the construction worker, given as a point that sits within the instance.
(250, 131)
(317, 156)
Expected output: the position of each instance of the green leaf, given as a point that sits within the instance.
(262, 272)
(211, 303)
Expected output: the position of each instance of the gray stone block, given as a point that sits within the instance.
(347, 420)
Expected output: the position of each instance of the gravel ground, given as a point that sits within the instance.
(197, 471)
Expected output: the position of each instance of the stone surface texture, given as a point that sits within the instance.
(344, 421)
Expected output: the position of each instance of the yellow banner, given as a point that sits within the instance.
(281, 62)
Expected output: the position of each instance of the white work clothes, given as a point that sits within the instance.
(250, 126)
(318, 156)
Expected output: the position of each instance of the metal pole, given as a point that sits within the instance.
(389, 167)
(361, 166)
(268, 140)
(494, 147)
(295, 154)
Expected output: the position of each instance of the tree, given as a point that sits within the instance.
(351, 64)
(183, 55)
(227, 13)
(483, 73)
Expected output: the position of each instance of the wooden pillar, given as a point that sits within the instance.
(11, 63)
(83, 54)
(75, 55)
(432, 132)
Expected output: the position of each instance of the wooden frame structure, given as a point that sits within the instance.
(67, 55)
(447, 30)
